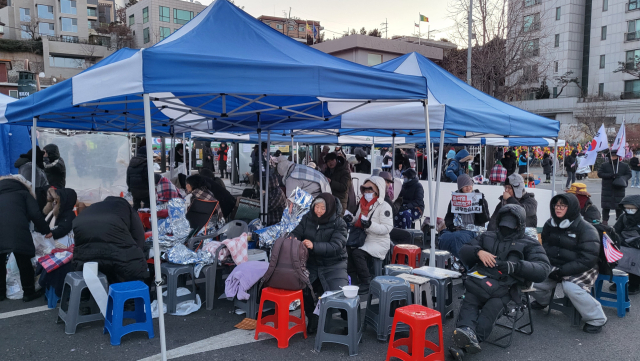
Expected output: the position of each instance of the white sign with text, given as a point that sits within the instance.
(466, 203)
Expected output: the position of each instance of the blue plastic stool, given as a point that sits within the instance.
(620, 299)
(119, 293)
(52, 298)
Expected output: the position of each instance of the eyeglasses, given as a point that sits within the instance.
(561, 206)
(364, 189)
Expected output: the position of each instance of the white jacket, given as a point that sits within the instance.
(378, 241)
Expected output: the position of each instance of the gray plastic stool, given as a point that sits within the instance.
(421, 289)
(387, 289)
(397, 269)
(416, 235)
(354, 322)
(69, 311)
(442, 296)
(173, 271)
(443, 258)
(377, 265)
(250, 306)
(257, 255)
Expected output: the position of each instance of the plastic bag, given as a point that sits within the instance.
(183, 308)
(14, 287)
(44, 246)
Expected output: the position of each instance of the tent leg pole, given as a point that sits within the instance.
(259, 181)
(298, 148)
(34, 139)
(486, 164)
(480, 153)
(307, 155)
(432, 217)
(527, 182)
(293, 158)
(393, 153)
(268, 165)
(172, 155)
(373, 149)
(154, 224)
(435, 204)
(188, 156)
(555, 160)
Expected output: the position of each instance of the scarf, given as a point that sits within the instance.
(582, 199)
(330, 206)
(364, 209)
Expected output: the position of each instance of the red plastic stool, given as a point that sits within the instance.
(281, 319)
(404, 252)
(419, 319)
(145, 218)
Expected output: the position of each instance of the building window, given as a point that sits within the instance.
(555, 91)
(531, 2)
(69, 24)
(164, 32)
(633, 27)
(291, 28)
(633, 5)
(632, 59)
(145, 35)
(92, 12)
(602, 61)
(530, 73)
(46, 29)
(605, 5)
(13, 93)
(558, 13)
(69, 39)
(556, 42)
(301, 29)
(555, 66)
(145, 15)
(182, 16)
(64, 62)
(603, 33)
(374, 59)
(279, 26)
(532, 48)
(165, 14)
(92, 24)
(632, 89)
(132, 20)
(68, 7)
(531, 22)
(25, 14)
(44, 12)
(601, 89)
(25, 32)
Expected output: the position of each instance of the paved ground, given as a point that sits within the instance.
(28, 332)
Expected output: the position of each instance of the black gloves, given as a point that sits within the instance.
(365, 224)
(555, 275)
(507, 267)
(348, 218)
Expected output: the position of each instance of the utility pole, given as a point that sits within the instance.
(385, 28)
(470, 21)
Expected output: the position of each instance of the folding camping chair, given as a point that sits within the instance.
(513, 313)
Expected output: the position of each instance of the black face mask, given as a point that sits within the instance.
(506, 231)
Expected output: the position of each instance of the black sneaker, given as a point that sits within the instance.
(634, 290)
(613, 288)
(312, 327)
(456, 353)
(3, 296)
(591, 328)
(33, 296)
(465, 338)
(537, 306)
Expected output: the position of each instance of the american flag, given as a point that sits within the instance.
(611, 252)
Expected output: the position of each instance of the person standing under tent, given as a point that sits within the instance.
(179, 155)
(476, 165)
(322, 166)
(208, 158)
(573, 248)
(18, 208)
(523, 160)
(23, 163)
(277, 200)
(570, 164)
(222, 161)
(339, 178)
(547, 167)
(54, 166)
(137, 180)
(301, 176)
(509, 162)
(615, 175)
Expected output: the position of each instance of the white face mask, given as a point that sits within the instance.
(368, 197)
(631, 211)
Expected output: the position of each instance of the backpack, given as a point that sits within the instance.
(288, 265)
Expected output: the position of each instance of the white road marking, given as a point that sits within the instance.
(26, 311)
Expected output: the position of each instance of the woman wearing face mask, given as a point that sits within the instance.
(375, 217)
(628, 228)
(573, 247)
(324, 233)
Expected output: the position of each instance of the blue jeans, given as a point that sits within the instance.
(635, 178)
(453, 241)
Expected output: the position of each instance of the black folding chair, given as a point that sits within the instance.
(512, 314)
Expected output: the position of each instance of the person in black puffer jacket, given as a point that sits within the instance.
(515, 193)
(54, 166)
(324, 233)
(510, 260)
(412, 199)
(634, 164)
(61, 202)
(612, 194)
(509, 162)
(627, 227)
(339, 177)
(23, 163)
(573, 247)
(138, 180)
(547, 166)
(18, 207)
(110, 233)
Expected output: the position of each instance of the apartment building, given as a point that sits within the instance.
(154, 20)
(294, 28)
(67, 30)
(592, 39)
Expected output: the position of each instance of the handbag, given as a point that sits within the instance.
(356, 237)
(620, 182)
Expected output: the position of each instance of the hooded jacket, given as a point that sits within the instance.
(227, 201)
(329, 239)
(340, 181)
(378, 241)
(634, 163)
(527, 201)
(571, 243)
(509, 163)
(612, 195)
(137, 177)
(54, 166)
(18, 207)
(455, 168)
(529, 257)
(110, 233)
(61, 202)
(412, 194)
(23, 163)
(628, 225)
